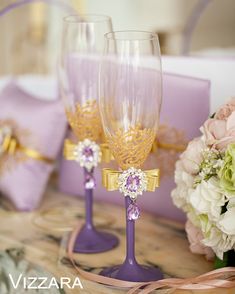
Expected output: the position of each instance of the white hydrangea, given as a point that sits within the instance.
(203, 199)
(219, 241)
(184, 187)
(227, 222)
(208, 199)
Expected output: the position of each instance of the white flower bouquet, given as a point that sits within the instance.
(205, 179)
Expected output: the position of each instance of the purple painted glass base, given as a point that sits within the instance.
(90, 240)
(133, 272)
(130, 270)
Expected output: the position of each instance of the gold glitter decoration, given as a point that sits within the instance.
(131, 148)
(85, 121)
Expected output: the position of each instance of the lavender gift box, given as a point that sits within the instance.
(185, 108)
(23, 103)
(222, 80)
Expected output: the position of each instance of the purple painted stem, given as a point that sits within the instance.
(130, 270)
(130, 237)
(90, 240)
(89, 204)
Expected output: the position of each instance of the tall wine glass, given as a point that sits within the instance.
(81, 48)
(130, 101)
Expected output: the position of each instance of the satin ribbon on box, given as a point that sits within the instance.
(11, 146)
(211, 280)
(110, 179)
(69, 148)
(168, 146)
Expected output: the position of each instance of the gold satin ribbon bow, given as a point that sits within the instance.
(110, 179)
(69, 148)
(11, 145)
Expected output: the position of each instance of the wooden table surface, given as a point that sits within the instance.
(42, 235)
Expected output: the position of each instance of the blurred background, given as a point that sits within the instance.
(30, 33)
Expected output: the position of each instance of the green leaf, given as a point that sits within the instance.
(221, 263)
(228, 260)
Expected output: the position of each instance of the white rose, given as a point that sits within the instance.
(205, 223)
(194, 217)
(227, 221)
(208, 199)
(219, 241)
(182, 177)
(184, 188)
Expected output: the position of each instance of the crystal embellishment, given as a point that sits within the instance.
(88, 154)
(133, 211)
(132, 182)
(5, 131)
(89, 181)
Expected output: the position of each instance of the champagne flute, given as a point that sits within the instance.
(81, 48)
(130, 102)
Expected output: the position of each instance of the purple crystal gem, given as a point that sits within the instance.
(88, 154)
(133, 212)
(132, 183)
(89, 182)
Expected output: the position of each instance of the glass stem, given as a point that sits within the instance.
(88, 203)
(130, 236)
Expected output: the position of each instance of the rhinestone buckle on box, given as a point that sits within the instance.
(88, 154)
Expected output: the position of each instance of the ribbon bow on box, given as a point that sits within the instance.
(11, 148)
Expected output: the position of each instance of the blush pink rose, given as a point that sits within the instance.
(229, 134)
(226, 110)
(191, 158)
(220, 130)
(214, 130)
(195, 237)
(219, 133)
